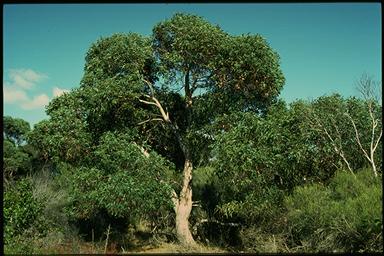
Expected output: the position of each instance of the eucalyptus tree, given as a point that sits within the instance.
(165, 89)
(351, 127)
(370, 91)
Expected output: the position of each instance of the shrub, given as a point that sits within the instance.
(344, 216)
(22, 216)
(254, 239)
(34, 219)
(20, 208)
(54, 197)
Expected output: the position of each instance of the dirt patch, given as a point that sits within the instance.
(176, 248)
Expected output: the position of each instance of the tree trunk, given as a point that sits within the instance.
(373, 163)
(183, 202)
(183, 207)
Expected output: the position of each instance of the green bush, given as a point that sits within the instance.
(344, 216)
(20, 208)
(22, 216)
(33, 214)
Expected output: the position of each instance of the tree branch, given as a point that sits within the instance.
(149, 120)
(150, 87)
(338, 151)
(378, 140)
(358, 137)
(148, 102)
(165, 116)
(374, 124)
(156, 103)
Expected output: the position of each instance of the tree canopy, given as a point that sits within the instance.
(15, 129)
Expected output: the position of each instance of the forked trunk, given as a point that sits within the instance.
(183, 201)
(183, 207)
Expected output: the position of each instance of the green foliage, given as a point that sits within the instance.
(242, 163)
(48, 190)
(17, 155)
(346, 216)
(249, 76)
(83, 192)
(290, 146)
(279, 147)
(64, 137)
(186, 43)
(118, 56)
(21, 210)
(34, 216)
(15, 129)
(205, 191)
(331, 112)
(259, 158)
(232, 72)
(17, 161)
(120, 181)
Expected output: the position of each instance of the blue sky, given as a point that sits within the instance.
(324, 48)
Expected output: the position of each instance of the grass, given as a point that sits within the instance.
(176, 248)
(76, 246)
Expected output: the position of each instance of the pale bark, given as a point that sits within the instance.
(183, 201)
(337, 147)
(373, 144)
(369, 89)
(184, 206)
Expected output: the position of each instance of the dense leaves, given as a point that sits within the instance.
(119, 56)
(17, 154)
(15, 129)
(345, 216)
(16, 160)
(21, 209)
(120, 180)
(256, 158)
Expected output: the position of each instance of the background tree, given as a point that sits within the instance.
(292, 151)
(326, 116)
(369, 90)
(15, 129)
(338, 120)
(17, 155)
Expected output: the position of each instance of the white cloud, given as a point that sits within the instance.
(13, 95)
(25, 78)
(16, 88)
(37, 102)
(56, 91)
